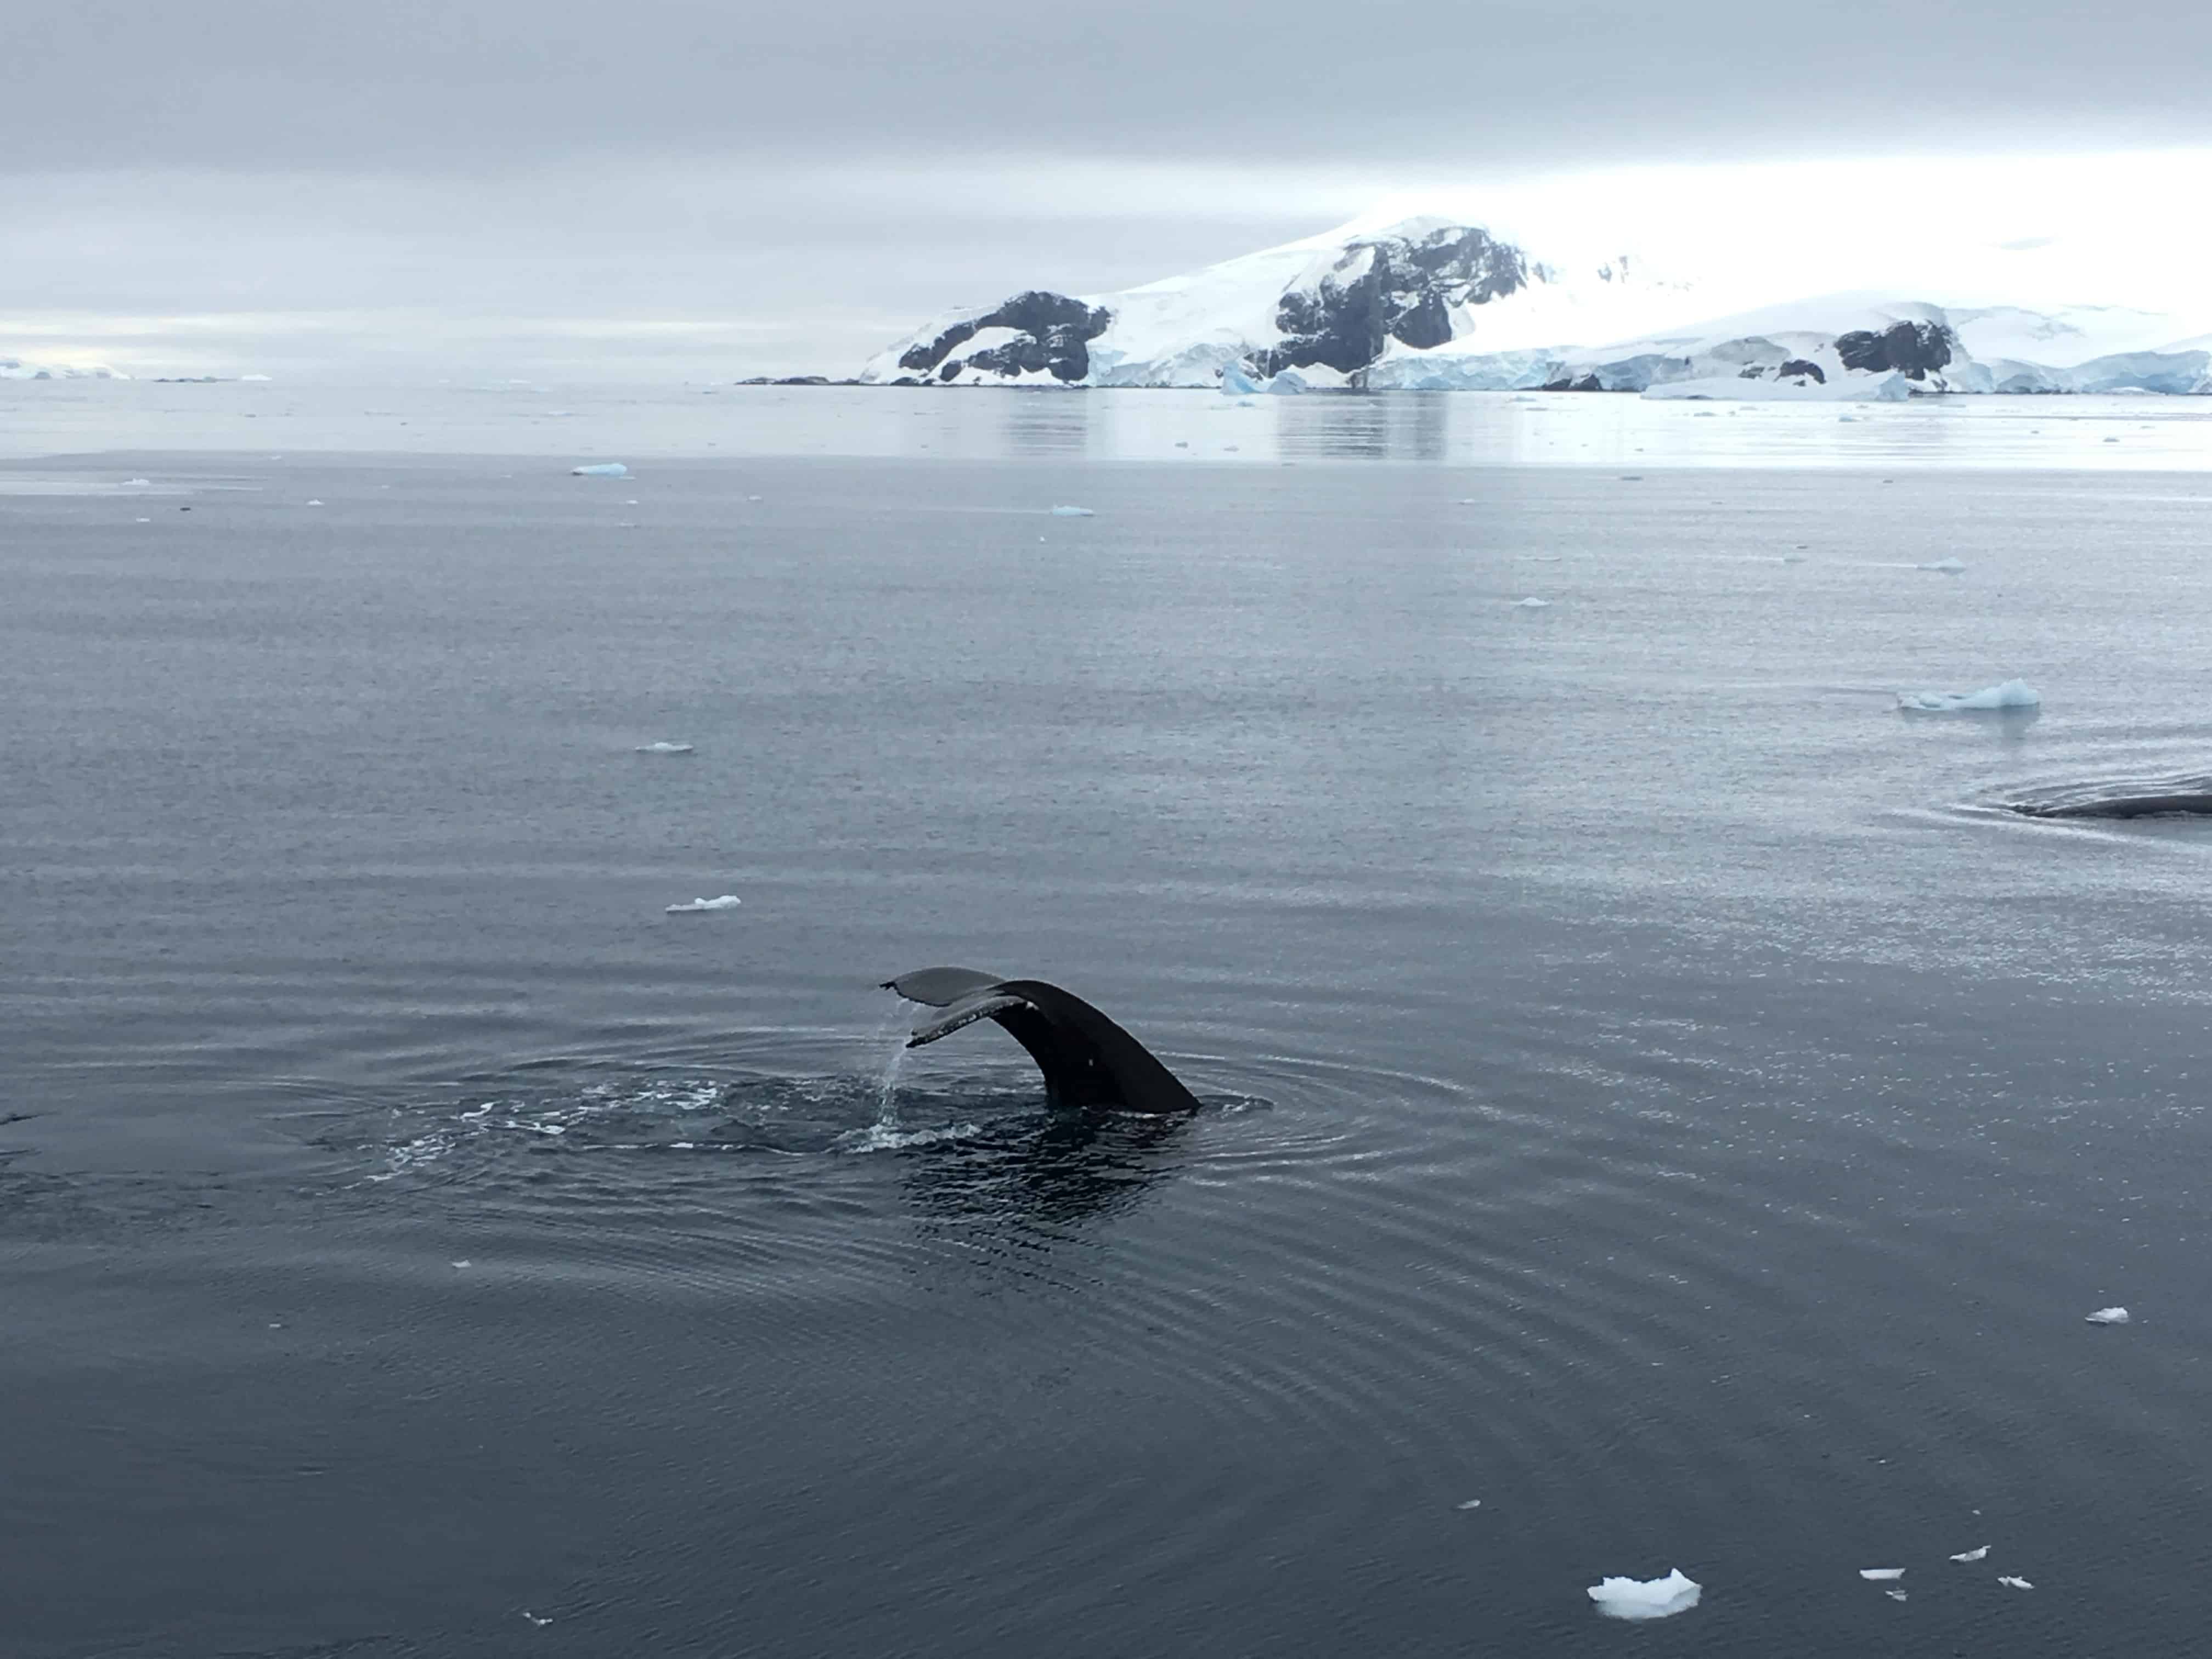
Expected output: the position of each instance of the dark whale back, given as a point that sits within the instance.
(1087, 1059)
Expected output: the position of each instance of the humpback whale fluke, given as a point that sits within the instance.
(1087, 1059)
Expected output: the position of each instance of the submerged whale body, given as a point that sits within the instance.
(1087, 1059)
(2158, 797)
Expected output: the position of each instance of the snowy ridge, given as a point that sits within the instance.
(1843, 347)
(13, 368)
(1430, 304)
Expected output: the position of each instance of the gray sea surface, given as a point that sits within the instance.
(1651, 1084)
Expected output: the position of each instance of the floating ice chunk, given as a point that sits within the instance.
(699, 906)
(463, 1262)
(1948, 567)
(535, 1619)
(128, 483)
(1532, 605)
(141, 521)
(1236, 383)
(314, 503)
(1658, 1598)
(2013, 694)
(665, 749)
(2015, 1584)
(1471, 1503)
(2108, 1316)
(1882, 1573)
(600, 470)
(632, 501)
(1072, 513)
(1981, 1554)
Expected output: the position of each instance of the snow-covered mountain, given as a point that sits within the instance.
(1311, 314)
(1432, 304)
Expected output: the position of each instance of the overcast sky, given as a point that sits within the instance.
(668, 189)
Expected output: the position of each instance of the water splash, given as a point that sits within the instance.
(892, 1026)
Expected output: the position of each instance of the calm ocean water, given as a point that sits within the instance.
(1652, 1087)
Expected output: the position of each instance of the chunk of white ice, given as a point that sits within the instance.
(2016, 1583)
(2013, 694)
(1981, 1554)
(697, 906)
(1072, 513)
(1532, 605)
(2108, 1316)
(600, 470)
(665, 749)
(1657, 1598)
(1471, 1503)
(1882, 1573)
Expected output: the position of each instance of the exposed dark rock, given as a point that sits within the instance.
(1058, 330)
(1390, 289)
(1797, 367)
(1915, 350)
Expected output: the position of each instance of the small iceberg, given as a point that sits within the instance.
(2013, 694)
(2016, 1583)
(1981, 1554)
(314, 503)
(139, 483)
(1878, 1573)
(1532, 605)
(663, 749)
(1471, 1503)
(701, 906)
(1948, 567)
(600, 470)
(1659, 1598)
(1072, 513)
(2108, 1316)
(1236, 383)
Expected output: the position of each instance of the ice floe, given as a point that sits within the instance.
(2015, 1584)
(1882, 1573)
(699, 906)
(600, 470)
(1532, 605)
(1471, 1503)
(1981, 1554)
(2013, 694)
(2108, 1316)
(1072, 513)
(1656, 1598)
(663, 749)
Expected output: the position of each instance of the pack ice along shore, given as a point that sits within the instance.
(1428, 305)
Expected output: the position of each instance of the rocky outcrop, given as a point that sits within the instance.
(1389, 288)
(1052, 335)
(1915, 350)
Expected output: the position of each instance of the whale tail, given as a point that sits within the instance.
(1087, 1059)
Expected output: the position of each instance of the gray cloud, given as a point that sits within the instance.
(438, 86)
